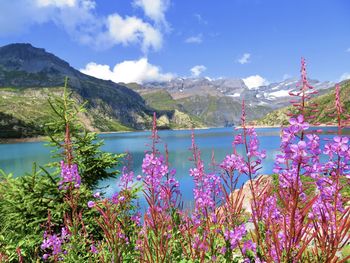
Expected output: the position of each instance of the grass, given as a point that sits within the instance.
(160, 100)
(25, 111)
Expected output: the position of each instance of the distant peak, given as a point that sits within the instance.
(25, 57)
(21, 47)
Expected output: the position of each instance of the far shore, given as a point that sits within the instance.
(25, 139)
(45, 138)
(281, 126)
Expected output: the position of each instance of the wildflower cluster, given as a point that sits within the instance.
(52, 244)
(69, 176)
(304, 217)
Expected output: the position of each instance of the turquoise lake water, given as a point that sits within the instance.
(17, 158)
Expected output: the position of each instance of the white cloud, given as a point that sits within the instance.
(197, 70)
(255, 81)
(59, 3)
(154, 9)
(139, 71)
(133, 30)
(345, 76)
(244, 59)
(194, 39)
(79, 19)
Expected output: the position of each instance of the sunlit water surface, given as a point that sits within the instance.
(17, 158)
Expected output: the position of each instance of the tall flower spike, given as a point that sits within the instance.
(337, 99)
(243, 117)
(338, 107)
(155, 137)
(69, 176)
(304, 94)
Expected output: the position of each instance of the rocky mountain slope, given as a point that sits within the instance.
(218, 102)
(326, 108)
(28, 76)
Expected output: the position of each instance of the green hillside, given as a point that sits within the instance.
(29, 76)
(207, 108)
(25, 111)
(326, 107)
(161, 100)
(164, 103)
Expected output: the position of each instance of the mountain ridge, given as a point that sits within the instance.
(218, 102)
(28, 73)
(326, 108)
(26, 70)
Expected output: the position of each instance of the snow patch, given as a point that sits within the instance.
(235, 95)
(280, 93)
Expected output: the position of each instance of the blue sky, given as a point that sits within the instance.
(144, 40)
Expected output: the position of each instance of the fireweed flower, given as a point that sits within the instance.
(234, 162)
(154, 169)
(52, 244)
(341, 146)
(253, 145)
(126, 179)
(69, 176)
(248, 245)
(235, 236)
(159, 181)
(238, 139)
(207, 187)
(298, 152)
(97, 195)
(136, 218)
(93, 249)
(298, 124)
(91, 204)
(200, 243)
(337, 99)
(269, 209)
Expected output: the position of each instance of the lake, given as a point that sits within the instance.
(17, 158)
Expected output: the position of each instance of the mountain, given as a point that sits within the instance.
(29, 76)
(217, 102)
(326, 108)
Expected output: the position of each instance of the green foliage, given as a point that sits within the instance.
(24, 204)
(25, 111)
(26, 201)
(160, 100)
(93, 163)
(346, 252)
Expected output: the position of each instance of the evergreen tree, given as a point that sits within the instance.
(93, 163)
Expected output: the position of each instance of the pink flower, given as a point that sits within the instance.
(298, 124)
(91, 204)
